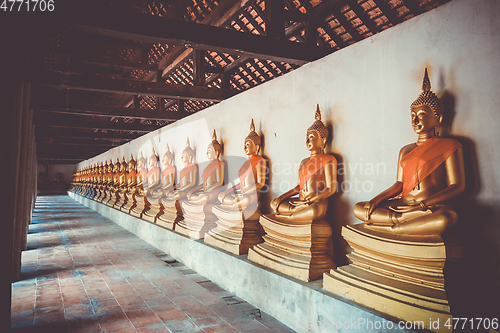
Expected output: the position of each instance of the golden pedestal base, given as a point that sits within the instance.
(398, 275)
(122, 199)
(114, 198)
(129, 204)
(155, 208)
(141, 204)
(198, 219)
(170, 215)
(236, 231)
(297, 249)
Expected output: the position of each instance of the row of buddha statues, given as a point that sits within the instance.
(398, 249)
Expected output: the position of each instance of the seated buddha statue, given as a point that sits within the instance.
(238, 213)
(430, 173)
(172, 211)
(187, 176)
(198, 217)
(212, 176)
(131, 186)
(122, 185)
(150, 181)
(317, 180)
(297, 240)
(252, 176)
(99, 182)
(109, 183)
(155, 196)
(115, 183)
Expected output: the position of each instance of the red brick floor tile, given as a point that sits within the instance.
(172, 314)
(143, 317)
(182, 326)
(247, 325)
(161, 302)
(199, 311)
(154, 328)
(117, 326)
(209, 321)
(220, 329)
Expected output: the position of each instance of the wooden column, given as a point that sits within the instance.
(275, 18)
(160, 102)
(199, 68)
(11, 88)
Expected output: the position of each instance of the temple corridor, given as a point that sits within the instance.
(84, 273)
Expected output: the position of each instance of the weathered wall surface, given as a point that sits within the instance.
(364, 92)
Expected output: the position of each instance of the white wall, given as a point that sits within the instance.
(364, 92)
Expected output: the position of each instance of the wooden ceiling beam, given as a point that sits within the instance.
(48, 131)
(110, 111)
(47, 119)
(132, 87)
(155, 29)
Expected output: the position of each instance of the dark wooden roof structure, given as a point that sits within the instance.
(106, 73)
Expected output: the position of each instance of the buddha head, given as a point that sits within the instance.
(168, 157)
(317, 134)
(214, 148)
(110, 166)
(153, 159)
(252, 142)
(188, 153)
(117, 165)
(123, 165)
(131, 163)
(141, 162)
(105, 167)
(427, 110)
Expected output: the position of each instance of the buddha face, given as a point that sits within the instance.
(166, 160)
(131, 166)
(423, 120)
(140, 164)
(250, 148)
(152, 161)
(185, 158)
(314, 141)
(211, 154)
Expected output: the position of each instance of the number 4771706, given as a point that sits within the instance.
(27, 5)
(472, 323)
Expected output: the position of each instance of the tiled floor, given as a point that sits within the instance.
(84, 273)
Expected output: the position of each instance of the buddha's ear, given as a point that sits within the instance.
(440, 119)
(258, 148)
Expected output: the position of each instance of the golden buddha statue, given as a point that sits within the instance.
(212, 176)
(109, 183)
(150, 182)
(99, 182)
(297, 241)
(122, 185)
(115, 184)
(238, 213)
(317, 180)
(131, 186)
(155, 196)
(398, 256)
(430, 173)
(197, 209)
(104, 185)
(252, 176)
(187, 176)
(172, 211)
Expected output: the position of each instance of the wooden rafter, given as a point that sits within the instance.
(133, 87)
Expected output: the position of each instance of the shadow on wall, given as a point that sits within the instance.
(473, 284)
